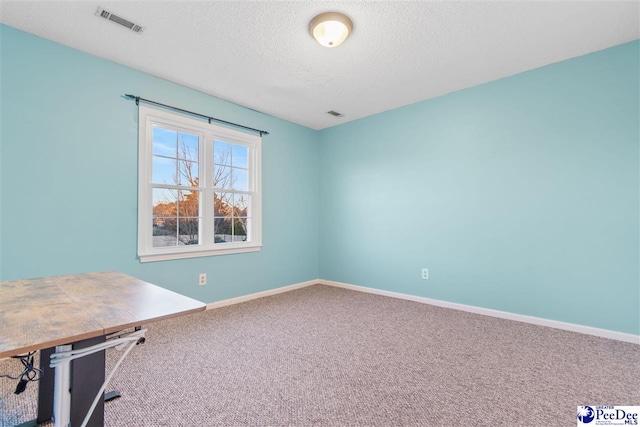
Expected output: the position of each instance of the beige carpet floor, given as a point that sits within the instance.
(324, 356)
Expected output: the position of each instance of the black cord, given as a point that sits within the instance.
(29, 373)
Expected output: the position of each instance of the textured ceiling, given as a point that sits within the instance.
(259, 54)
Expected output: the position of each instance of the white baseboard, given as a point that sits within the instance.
(588, 330)
(604, 333)
(244, 298)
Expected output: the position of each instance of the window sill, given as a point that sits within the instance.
(196, 254)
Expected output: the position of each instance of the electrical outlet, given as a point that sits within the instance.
(203, 279)
(425, 273)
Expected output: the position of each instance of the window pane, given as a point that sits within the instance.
(165, 202)
(222, 153)
(164, 232)
(222, 204)
(239, 156)
(188, 146)
(221, 176)
(223, 230)
(164, 170)
(239, 179)
(240, 229)
(188, 173)
(164, 142)
(240, 205)
(188, 203)
(188, 231)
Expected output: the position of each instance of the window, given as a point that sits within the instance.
(199, 188)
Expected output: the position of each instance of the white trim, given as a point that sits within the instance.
(245, 298)
(196, 254)
(588, 330)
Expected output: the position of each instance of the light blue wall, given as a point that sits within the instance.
(69, 176)
(519, 195)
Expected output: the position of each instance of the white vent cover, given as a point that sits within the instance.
(335, 113)
(118, 20)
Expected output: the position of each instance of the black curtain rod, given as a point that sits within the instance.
(138, 99)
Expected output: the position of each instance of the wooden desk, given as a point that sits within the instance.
(81, 309)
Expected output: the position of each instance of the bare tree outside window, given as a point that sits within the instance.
(176, 212)
(230, 203)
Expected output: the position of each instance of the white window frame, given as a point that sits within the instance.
(148, 117)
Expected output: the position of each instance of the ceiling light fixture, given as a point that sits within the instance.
(330, 28)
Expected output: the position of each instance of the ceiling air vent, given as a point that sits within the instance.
(118, 20)
(335, 113)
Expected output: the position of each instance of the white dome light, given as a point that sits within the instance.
(330, 28)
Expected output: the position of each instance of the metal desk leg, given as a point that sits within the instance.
(80, 378)
(87, 376)
(62, 397)
(76, 384)
(45, 387)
